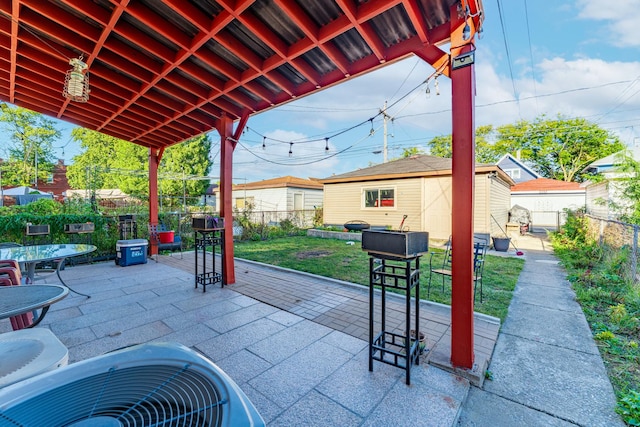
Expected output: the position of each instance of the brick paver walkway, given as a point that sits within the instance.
(345, 306)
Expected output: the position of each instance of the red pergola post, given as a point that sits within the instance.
(463, 180)
(227, 144)
(154, 161)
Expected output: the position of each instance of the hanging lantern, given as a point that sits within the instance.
(76, 81)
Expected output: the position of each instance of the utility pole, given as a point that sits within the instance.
(36, 180)
(385, 117)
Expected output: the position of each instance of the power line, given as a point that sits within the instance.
(509, 101)
(506, 48)
(533, 73)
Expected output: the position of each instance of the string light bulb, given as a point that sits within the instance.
(326, 144)
(436, 86)
(290, 149)
(466, 32)
(428, 91)
(264, 146)
(372, 131)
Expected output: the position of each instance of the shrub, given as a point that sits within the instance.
(629, 408)
(605, 336)
(610, 301)
(617, 313)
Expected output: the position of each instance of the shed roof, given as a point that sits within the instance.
(281, 182)
(409, 167)
(546, 185)
(612, 160)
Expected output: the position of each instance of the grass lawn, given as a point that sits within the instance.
(336, 259)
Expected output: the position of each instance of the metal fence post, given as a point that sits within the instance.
(634, 257)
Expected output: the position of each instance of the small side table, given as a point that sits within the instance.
(208, 238)
(394, 348)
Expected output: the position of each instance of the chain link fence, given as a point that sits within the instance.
(616, 235)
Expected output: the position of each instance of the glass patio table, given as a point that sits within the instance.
(16, 300)
(30, 256)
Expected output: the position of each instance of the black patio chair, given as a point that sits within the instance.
(444, 269)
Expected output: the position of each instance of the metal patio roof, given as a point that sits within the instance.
(162, 71)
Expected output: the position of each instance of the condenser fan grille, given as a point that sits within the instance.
(137, 396)
(155, 391)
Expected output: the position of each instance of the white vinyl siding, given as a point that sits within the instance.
(343, 203)
(280, 199)
(597, 199)
(426, 201)
(298, 201)
(499, 205)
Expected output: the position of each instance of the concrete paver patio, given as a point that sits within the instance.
(299, 355)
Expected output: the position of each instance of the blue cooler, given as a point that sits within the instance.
(130, 252)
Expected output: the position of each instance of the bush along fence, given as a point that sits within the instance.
(13, 228)
(619, 236)
(107, 228)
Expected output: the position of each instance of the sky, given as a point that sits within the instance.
(580, 59)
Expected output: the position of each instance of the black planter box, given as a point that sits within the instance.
(399, 244)
(207, 223)
(37, 230)
(82, 227)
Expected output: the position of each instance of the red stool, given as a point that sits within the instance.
(11, 276)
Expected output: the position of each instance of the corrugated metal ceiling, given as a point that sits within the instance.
(162, 71)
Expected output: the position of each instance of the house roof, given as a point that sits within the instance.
(614, 159)
(546, 185)
(164, 71)
(519, 163)
(21, 191)
(409, 167)
(284, 181)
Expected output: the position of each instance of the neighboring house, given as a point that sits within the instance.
(516, 169)
(56, 183)
(600, 195)
(420, 188)
(209, 197)
(546, 199)
(272, 200)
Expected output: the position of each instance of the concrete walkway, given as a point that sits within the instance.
(546, 368)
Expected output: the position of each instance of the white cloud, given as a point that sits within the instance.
(621, 18)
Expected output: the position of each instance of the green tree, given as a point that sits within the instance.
(184, 166)
(558, 149)
(30, 154)
(411, 151)
(108, 162)
(88, 170)
(562, 148)
(441, 145)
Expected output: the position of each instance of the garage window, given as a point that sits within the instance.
(379, 198)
